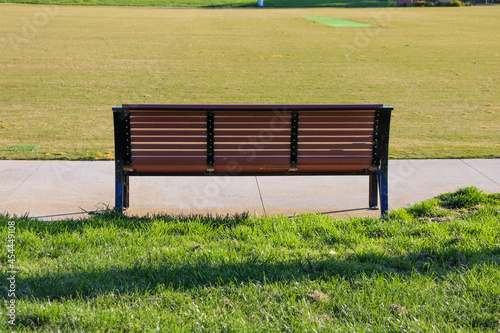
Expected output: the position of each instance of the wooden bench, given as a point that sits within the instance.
(243, 140)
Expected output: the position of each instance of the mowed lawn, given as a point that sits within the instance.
(64, 67)
(432, 267)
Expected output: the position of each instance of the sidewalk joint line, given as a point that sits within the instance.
(260, 195)
(479, 172)
(24, 180)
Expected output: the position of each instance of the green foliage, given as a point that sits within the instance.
(456, 3)
(247, 274)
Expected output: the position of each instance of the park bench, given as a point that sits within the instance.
(244, 140)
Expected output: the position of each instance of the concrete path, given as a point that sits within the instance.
(52, 190)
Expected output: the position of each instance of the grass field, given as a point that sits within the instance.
(433, 267)
(64, 67)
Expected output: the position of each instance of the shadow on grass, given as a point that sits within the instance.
(144, 277)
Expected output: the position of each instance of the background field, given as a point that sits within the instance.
(64, 67)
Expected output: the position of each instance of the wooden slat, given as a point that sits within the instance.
(279, 114)
(169, 138)
(337, 113)
(329, 146)
(174, 113)
(169, 153)
(264, 160)
(252, 140)
(250, 125)
(199, 139)
(219, 153)
(251, 146)
(253, 132)
(181, 131)
(343, 152)
(241, 165)
(167, 125)
(332, 168)
(170, 168)
(335, 139)
(160, 119)
(189, 145)
(320, 125)
(334, 131)
(333, 120)
(253, 119)
(338, 125)
(170, 164)
(366, 161)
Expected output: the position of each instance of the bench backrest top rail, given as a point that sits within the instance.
(251, 107)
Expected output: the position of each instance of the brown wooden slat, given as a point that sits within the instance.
(250, 125)
(181, 131)
(329, 146)
(264, 160)
(337, 113)
(167, 125)
(263, 164)
(170, 168)
(174, 113)
(328, 120)
(181, 145)
(335, 126)
(366, 161)
(251, 146)
(334, 131)
(256, 119)
(199, 139)
(343, 152)
(252, 140)
(241, 169)
(219, 153)
(169, 138)
(334, 139)
(351, 125)
(252, 132)
(167, 119)
(169, 153)
(332, 168)
(241, 113)
(172, 164)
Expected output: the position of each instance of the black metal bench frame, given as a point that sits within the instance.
(377, 171)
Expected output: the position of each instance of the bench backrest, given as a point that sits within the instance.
(251, 139)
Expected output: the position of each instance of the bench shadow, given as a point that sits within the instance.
(254, 269)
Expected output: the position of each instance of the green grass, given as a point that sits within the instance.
(413, 271)
(438, 67)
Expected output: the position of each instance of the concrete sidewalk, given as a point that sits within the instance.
(52, 190)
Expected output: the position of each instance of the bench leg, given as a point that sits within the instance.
(373, 200)
(384, 190)
(119, 190)
(126, 192)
